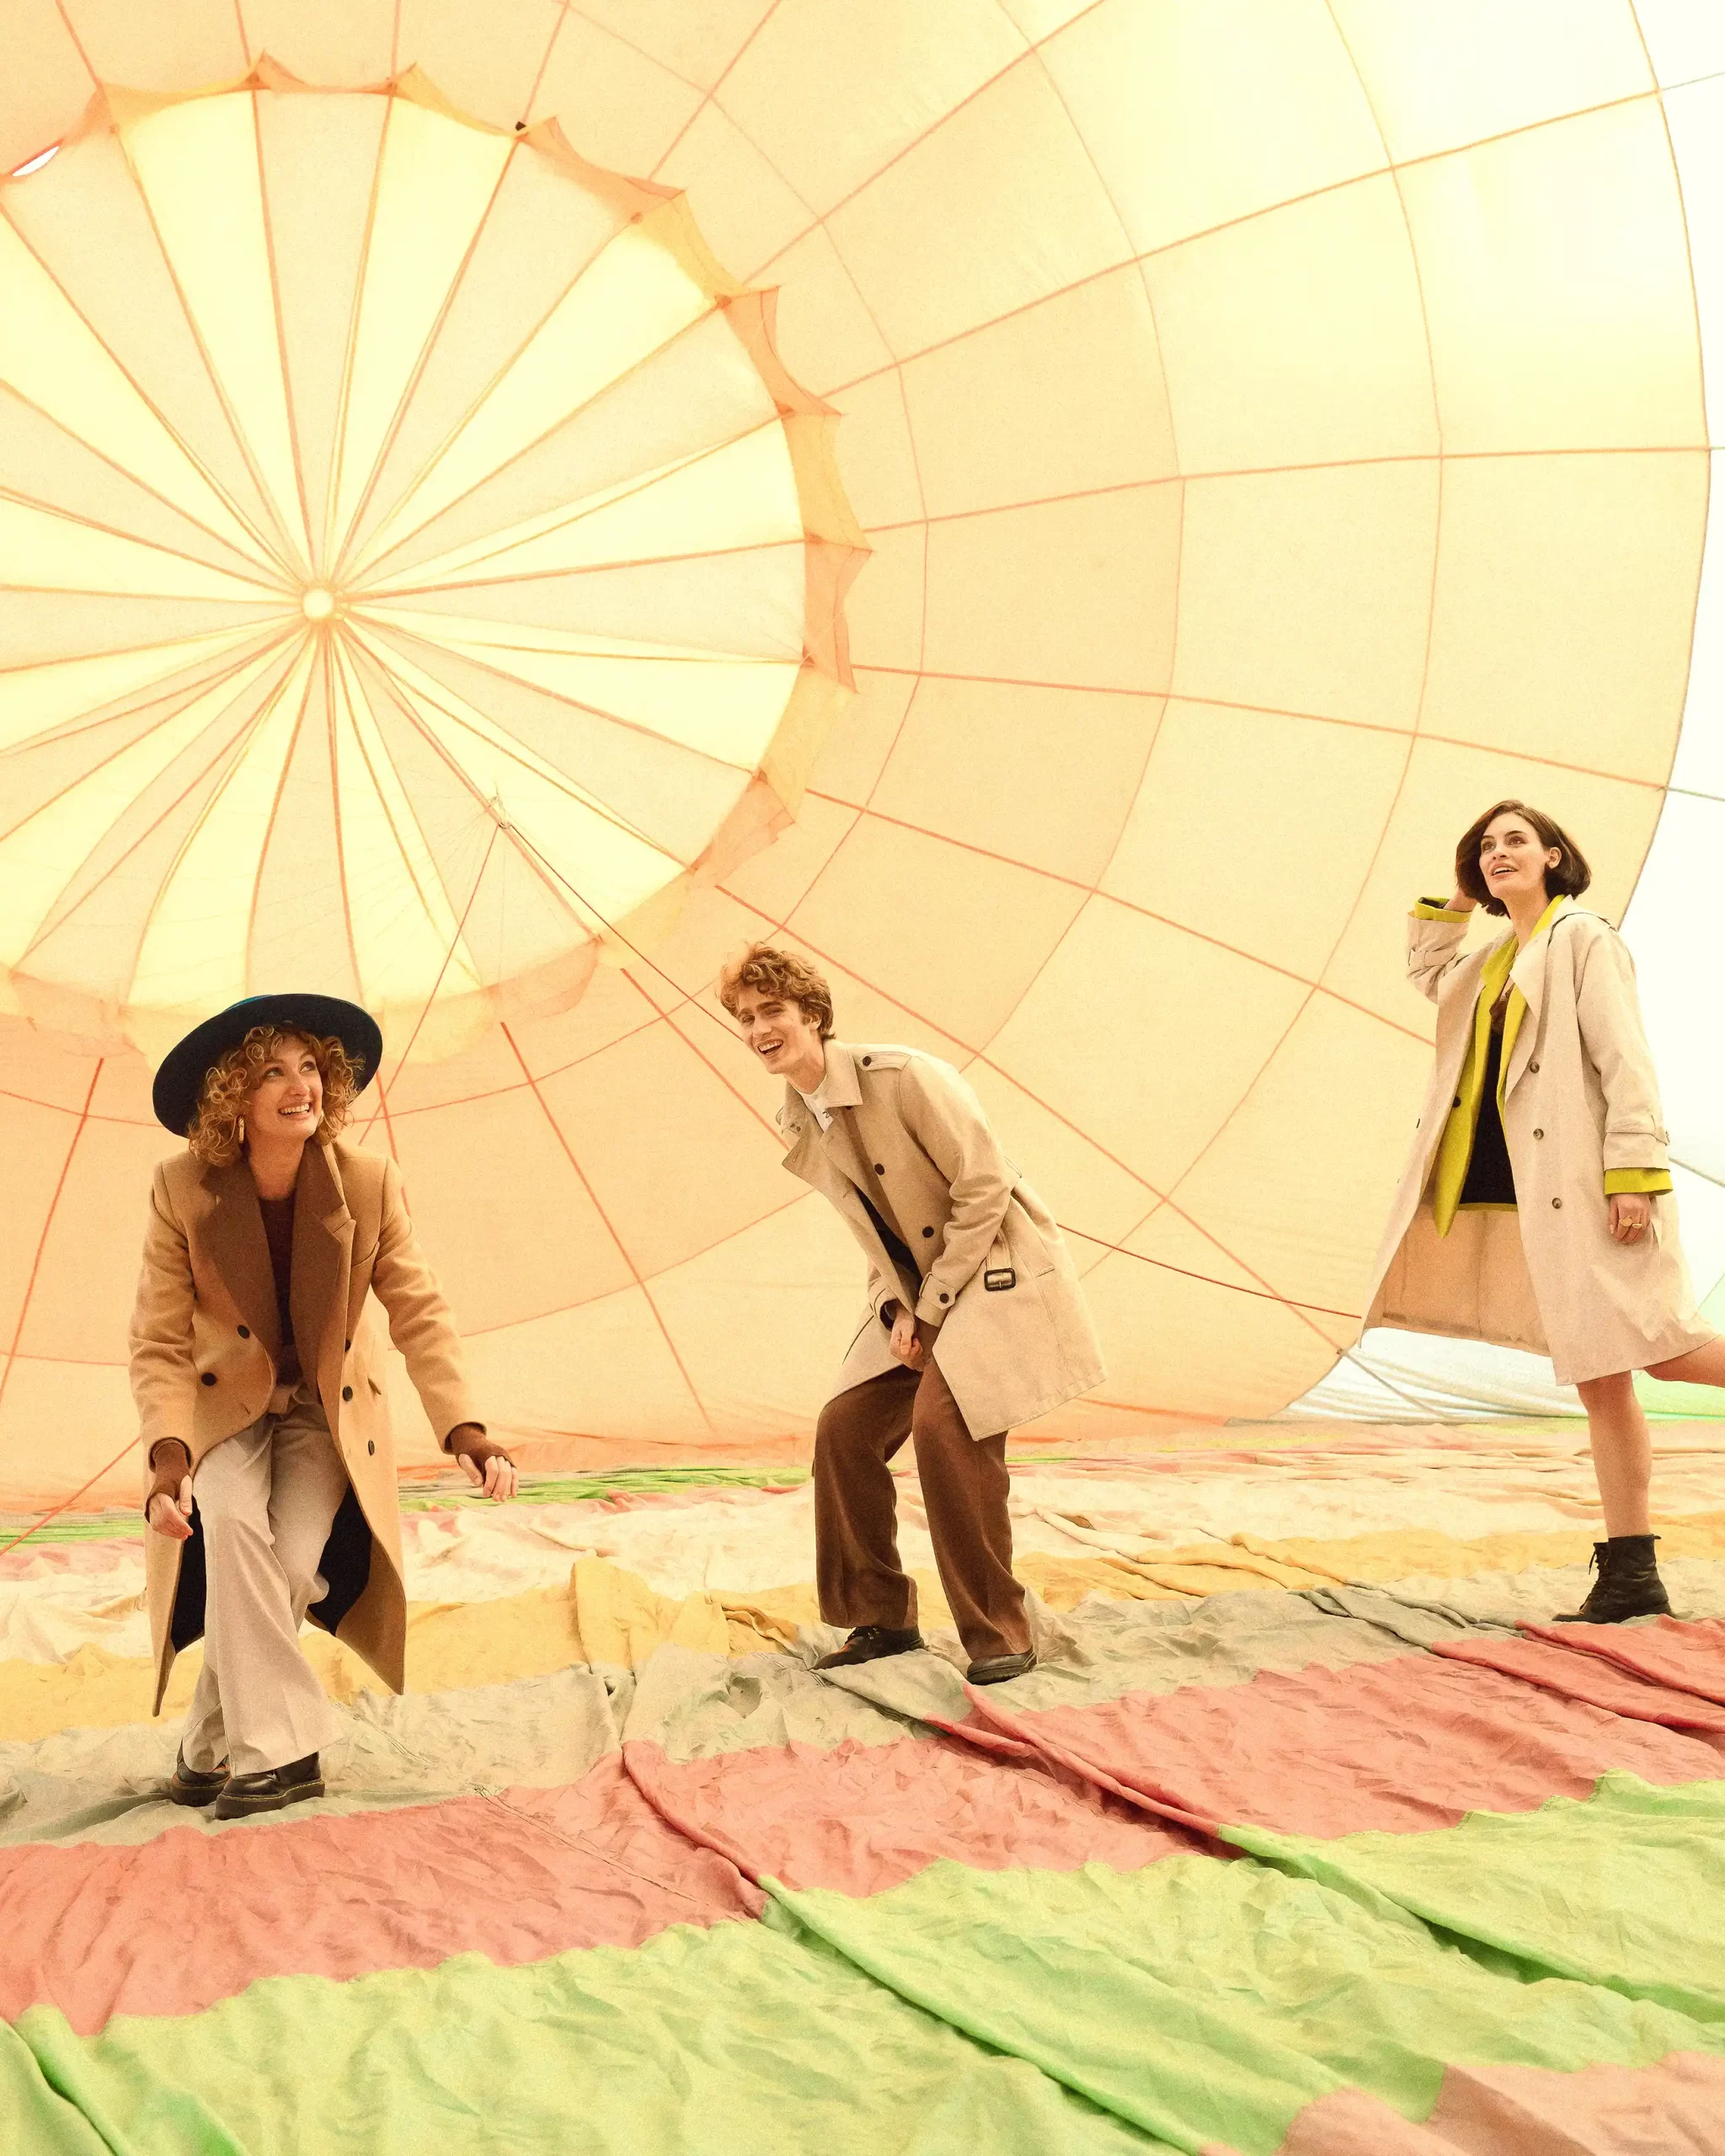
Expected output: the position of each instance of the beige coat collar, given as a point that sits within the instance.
(842, 1091)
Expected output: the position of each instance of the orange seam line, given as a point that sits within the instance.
(323, 659)
(709, 96)
(276, 799)
(289, 407)
(65, 1503)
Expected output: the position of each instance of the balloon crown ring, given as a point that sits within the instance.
(317, 603)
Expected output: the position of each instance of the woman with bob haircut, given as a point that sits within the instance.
(270, 1469)
(1536, 1208)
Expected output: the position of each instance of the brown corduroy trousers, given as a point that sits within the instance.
(964, 1484)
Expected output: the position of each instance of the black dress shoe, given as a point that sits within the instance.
(186, 1785)
(1628, 1585)
(996, 1668)
(269, 1791)
(870, 1643)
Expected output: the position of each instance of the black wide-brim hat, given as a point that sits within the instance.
(181, 1080)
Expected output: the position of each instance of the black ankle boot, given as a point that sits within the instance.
(1628, 1585)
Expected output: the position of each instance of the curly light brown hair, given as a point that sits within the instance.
(770, 971)
(214, 1135)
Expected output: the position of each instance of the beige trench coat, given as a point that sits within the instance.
(206, 1343)
(993, 1272)
(1579, 1097)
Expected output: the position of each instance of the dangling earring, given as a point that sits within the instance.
(241, 1130)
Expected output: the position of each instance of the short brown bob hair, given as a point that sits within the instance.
(214, 1133)
(1567, 878)
(770, 971)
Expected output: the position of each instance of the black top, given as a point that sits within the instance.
(1490, 1180)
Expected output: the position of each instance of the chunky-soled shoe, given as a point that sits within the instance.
(1628, 1585)
(187, 1785)
(246, 1793)
(996, 1668)
(871, 1643)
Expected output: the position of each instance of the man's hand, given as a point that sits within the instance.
(911, 1339)
(168, 1506)
(1631, 1212)
(483, 1462)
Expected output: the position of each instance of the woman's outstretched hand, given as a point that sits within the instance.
(1631, 1212)
(483, 1462)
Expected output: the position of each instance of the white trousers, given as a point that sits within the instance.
(266, 1497)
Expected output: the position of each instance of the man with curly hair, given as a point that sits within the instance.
(272, 1493)
(975, 1321)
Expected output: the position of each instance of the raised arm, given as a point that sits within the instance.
(946, 1119)
(1436, 931)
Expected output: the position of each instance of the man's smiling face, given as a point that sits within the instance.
(778, 1033)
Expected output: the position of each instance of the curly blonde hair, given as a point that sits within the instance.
(770, 971)
(214, 1135)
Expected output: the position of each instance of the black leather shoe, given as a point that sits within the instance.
(293, 1784)
(870, 1643)
(1628, 1585)
(186, 1785)
(996, 1668)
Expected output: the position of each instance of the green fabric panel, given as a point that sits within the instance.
(38, 2115)
(1622, 1887)
(1209, 2001)
(731, 2042)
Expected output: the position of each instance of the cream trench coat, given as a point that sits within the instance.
(993, 1272)
(206, 1344)
(1580, 1098)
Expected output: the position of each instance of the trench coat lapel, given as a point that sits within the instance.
(233, 1234)
(323, 1256)
(1528, 974)
(829, 1159)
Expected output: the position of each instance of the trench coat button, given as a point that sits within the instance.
(347, 1392)
(928, 1232)
(208, 1378)
(1458, 1100)
(945, 1298)
(866, 1061)
(245, 1332)
(879, 1169)
(1539, 1133)
(371, 1445)
(345, 1345)
(1556, 1205)
(1533, 1070)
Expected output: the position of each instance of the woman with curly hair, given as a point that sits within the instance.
(271, 1472)
(1536, 1208)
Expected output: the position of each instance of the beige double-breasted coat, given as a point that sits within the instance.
(992, 1269)
(206, 1346)
(1580, 1098)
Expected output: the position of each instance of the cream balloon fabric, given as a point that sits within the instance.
(1280, 429)
(419, 564)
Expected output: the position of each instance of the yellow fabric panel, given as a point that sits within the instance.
(1308, 591)
(1152, 88)
(1649, 1179)
(1064, 397)
(1278, 352)
(1441, 73)
(1566, 587)
(1436, 910)
(1586, 287)
(958, 276)
(1289, 793)
(1153, 1111)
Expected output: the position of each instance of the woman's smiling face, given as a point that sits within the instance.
(287, 1102)
(1512, 859)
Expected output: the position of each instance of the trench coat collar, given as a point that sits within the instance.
(795, 1118)
(1528, 974)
